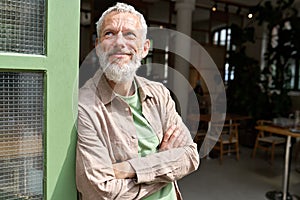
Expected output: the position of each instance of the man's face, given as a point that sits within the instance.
(121, 46)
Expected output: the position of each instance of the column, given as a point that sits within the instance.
(184, 10)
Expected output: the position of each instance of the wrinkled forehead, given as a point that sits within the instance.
(121, 20)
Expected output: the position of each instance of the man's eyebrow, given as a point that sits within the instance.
(107, 29)
(130, 30)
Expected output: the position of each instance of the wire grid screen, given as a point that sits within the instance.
(21, 135)
(22, 26)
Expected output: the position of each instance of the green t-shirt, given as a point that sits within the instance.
(147, 143)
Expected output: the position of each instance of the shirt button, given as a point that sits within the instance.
(126, 109)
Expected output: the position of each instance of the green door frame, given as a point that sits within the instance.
(60, 65)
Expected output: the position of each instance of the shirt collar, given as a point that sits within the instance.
(144, 88)
(106, 93)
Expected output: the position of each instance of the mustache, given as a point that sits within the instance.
(120, 51)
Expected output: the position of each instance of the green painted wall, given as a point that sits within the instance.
(61, 70)
(63, 53)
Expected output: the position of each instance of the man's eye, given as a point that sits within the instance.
(130, 35)
(108, 33)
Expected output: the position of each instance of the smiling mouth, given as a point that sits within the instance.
(120, 55)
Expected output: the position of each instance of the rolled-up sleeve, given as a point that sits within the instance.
(166, 166)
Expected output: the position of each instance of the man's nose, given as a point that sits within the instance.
(120, 40)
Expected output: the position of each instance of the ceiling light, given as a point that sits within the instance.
(214, 8)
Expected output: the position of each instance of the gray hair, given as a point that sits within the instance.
(125, 8)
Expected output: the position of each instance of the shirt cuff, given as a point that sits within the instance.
(143, 175)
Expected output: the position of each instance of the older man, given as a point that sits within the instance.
(132, 144)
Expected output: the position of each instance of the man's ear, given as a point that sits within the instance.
(146, 48)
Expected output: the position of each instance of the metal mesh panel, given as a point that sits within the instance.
(22, 24)
(21, 135)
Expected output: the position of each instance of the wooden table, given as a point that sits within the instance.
(285, 132)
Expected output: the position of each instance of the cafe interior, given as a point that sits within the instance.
(238, 89)
(231, 66)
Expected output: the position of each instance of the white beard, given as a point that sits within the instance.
(113, 71)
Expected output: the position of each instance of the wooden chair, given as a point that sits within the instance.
(228, 142)
(266, 141)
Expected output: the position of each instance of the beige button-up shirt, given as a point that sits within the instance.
(107, 135)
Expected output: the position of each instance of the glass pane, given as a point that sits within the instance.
(22, 26)
(21, 135)
(216, 38)
(228, 38)
(223, 37)
(226, 72)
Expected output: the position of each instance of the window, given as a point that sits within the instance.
(22, 26)
(21, 135)
(222, 37)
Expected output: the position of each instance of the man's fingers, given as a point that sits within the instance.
(173, 138)
(175, 134)
(180, 140)
(176, 139)
(169, 133)
(167, 137)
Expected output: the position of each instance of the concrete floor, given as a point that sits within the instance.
(246, 179)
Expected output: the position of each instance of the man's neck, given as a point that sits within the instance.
(123, 89)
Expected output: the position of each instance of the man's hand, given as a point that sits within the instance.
(123, 170)
(173, 138)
